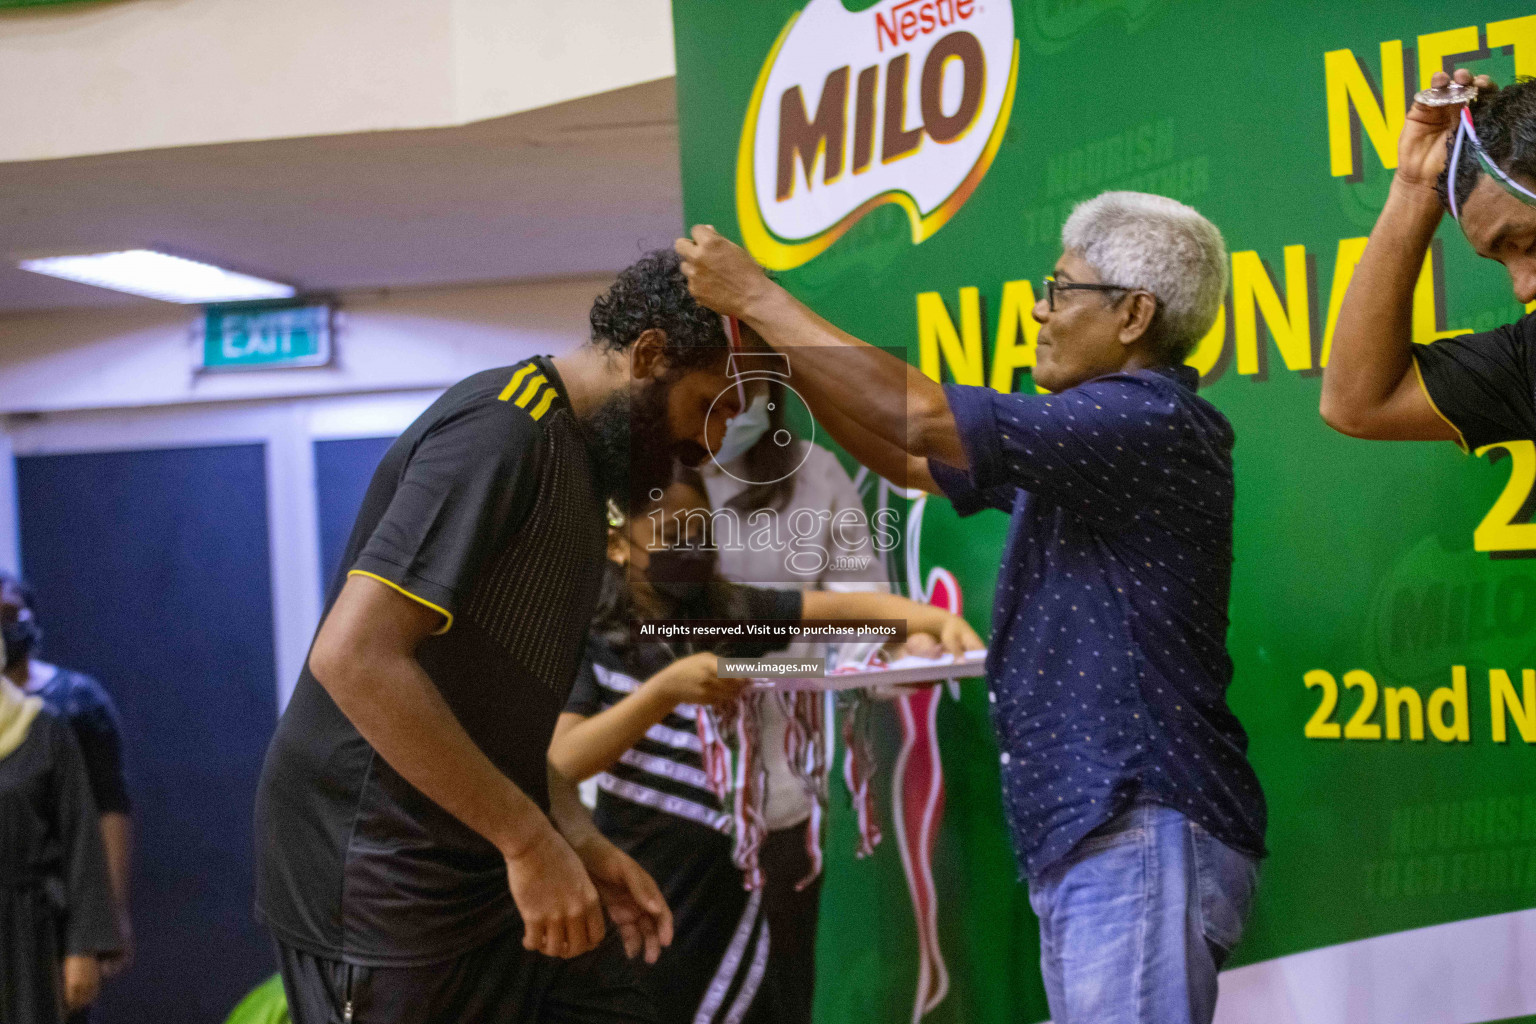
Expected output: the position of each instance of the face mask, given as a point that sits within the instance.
(21, 637)
(744, 430)
(681, 574)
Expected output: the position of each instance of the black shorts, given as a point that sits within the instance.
(498, 983)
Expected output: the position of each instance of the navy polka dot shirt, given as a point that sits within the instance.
(1108, 667)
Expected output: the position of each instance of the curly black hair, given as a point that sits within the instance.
(652, 293)
(1506, 126)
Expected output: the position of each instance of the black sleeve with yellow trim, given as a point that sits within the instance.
(465, 488)
(1482, 384)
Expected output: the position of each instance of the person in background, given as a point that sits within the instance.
(83, 703)
(1474, 389)
(762, 466)
(1135, 813)
(633, 721)
(57, 913)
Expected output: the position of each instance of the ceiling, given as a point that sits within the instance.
(578, 188)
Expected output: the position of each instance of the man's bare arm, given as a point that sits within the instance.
(365, 657)
(870, 449)
(881, 394)
(1370, 386)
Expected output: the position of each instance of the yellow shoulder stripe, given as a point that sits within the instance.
(512, 385)
(1419, 376)
(544, 404)
(445, 613)
(529, 391)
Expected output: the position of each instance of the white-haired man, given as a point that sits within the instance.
(1135, 814)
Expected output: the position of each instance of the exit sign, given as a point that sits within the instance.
(266, 337)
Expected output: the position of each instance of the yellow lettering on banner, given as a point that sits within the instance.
(1502, 697)
(1498, 531)
(1010, 354)
(1320, 726)
(1458, 729)
(1436, 46)
(1350, 251)
(1398, 698)
(1289, 325)
(1521, 34)
(1208, 352)
(936, 335)
(1360, 726)
(1347, 86)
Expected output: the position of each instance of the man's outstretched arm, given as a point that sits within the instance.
(848, 383)
(365, 657)
(1370, 386)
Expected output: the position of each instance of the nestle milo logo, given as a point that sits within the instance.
(903, 102)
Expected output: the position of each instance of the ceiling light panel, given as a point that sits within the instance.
(157, 275)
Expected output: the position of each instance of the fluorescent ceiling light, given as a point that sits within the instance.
(159, 276)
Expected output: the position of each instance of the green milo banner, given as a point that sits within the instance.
(905, 167)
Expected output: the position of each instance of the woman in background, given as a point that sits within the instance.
(762, 466)
(57, 914)
(633, 720)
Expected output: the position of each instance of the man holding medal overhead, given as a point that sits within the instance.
(1134, 812)
(1477, 160)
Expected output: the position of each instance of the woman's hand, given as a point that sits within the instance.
(918, 645)
(694, 680)
(947, 633)
(82, 981)
(958, 637)
(1421, 152)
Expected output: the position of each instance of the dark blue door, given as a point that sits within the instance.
(152, 574)
(343, 470)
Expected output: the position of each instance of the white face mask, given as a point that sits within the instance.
(744, 430)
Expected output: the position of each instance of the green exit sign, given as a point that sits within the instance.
(266, 337)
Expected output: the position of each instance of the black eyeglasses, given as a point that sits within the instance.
(1052, 287)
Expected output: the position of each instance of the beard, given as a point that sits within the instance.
(630, 440)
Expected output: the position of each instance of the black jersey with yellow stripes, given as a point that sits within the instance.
(487, 511)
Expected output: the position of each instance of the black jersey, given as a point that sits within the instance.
(1484, 385)
(486, 509)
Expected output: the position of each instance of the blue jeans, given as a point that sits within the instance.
(1138, 918)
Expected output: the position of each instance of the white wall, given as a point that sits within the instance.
(401, 340)
(144, 74)
(513, 56)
